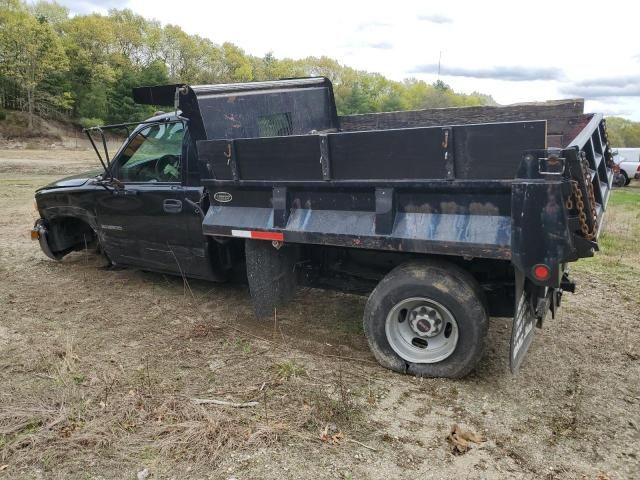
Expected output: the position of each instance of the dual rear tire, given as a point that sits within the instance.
(427, 319)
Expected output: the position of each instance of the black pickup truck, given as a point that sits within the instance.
(443, 217)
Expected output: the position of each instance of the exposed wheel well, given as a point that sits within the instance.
(67, 234)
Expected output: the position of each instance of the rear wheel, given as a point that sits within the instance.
(427, 319)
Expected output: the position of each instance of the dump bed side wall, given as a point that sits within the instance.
(564, 118)
(444, 190)
(470, 152)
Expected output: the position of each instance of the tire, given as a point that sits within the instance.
(456, 298)
(627, 179)
(619, 180)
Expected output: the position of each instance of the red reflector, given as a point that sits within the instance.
(278, 236)
(541, 272)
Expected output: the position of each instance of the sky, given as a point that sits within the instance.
(515, 51)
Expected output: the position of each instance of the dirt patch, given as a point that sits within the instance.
(100, 371)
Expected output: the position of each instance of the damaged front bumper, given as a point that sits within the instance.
(39, 232)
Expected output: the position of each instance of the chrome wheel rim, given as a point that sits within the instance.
(421, 330)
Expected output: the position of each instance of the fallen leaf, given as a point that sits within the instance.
(200, 330)
(461, 439)
(68, 430)
(3, 467)
(332, 439)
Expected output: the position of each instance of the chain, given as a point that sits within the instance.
(578, 200)
(592, 197)
(582, 216)
(569, 202)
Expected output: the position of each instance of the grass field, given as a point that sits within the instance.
(619, 256)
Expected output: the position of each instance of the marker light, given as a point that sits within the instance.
(541, 272)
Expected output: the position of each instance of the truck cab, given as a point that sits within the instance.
(145, 209)
(140, 209)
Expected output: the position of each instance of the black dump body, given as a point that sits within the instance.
(505, 196)
(477, 182)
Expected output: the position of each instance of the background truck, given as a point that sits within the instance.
(443, 217)
(628, 161)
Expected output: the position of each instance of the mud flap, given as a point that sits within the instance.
(524, 322)
(271, 275)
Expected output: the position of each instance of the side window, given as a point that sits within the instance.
(153, 155)
(275, 125)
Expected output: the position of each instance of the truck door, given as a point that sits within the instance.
(207, 260)
(145, 221)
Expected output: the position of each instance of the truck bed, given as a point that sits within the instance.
(386, 181)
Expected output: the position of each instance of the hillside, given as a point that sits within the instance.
(16, 133)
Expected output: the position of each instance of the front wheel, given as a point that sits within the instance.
(427, 319)
(627, 179)
(619, 180)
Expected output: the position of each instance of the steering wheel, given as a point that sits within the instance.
(162, 163)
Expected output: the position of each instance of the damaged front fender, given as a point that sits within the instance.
(41, 232)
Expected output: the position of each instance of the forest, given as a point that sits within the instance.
(82, 68)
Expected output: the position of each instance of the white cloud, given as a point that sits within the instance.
(582, 42)
(612, 87)
(512, 73)
(435, 18)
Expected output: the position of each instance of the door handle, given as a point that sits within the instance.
(171, 205)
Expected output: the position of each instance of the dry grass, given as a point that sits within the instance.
(72, 411)
(288, 369)
(98, 370)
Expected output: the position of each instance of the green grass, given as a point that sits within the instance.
(288, 369)
(619, 257)
(626, 197)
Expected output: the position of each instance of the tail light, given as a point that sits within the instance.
(541, 272)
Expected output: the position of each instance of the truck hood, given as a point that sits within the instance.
(74, 180)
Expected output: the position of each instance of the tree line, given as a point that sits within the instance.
(83, 67)
(623, 133)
